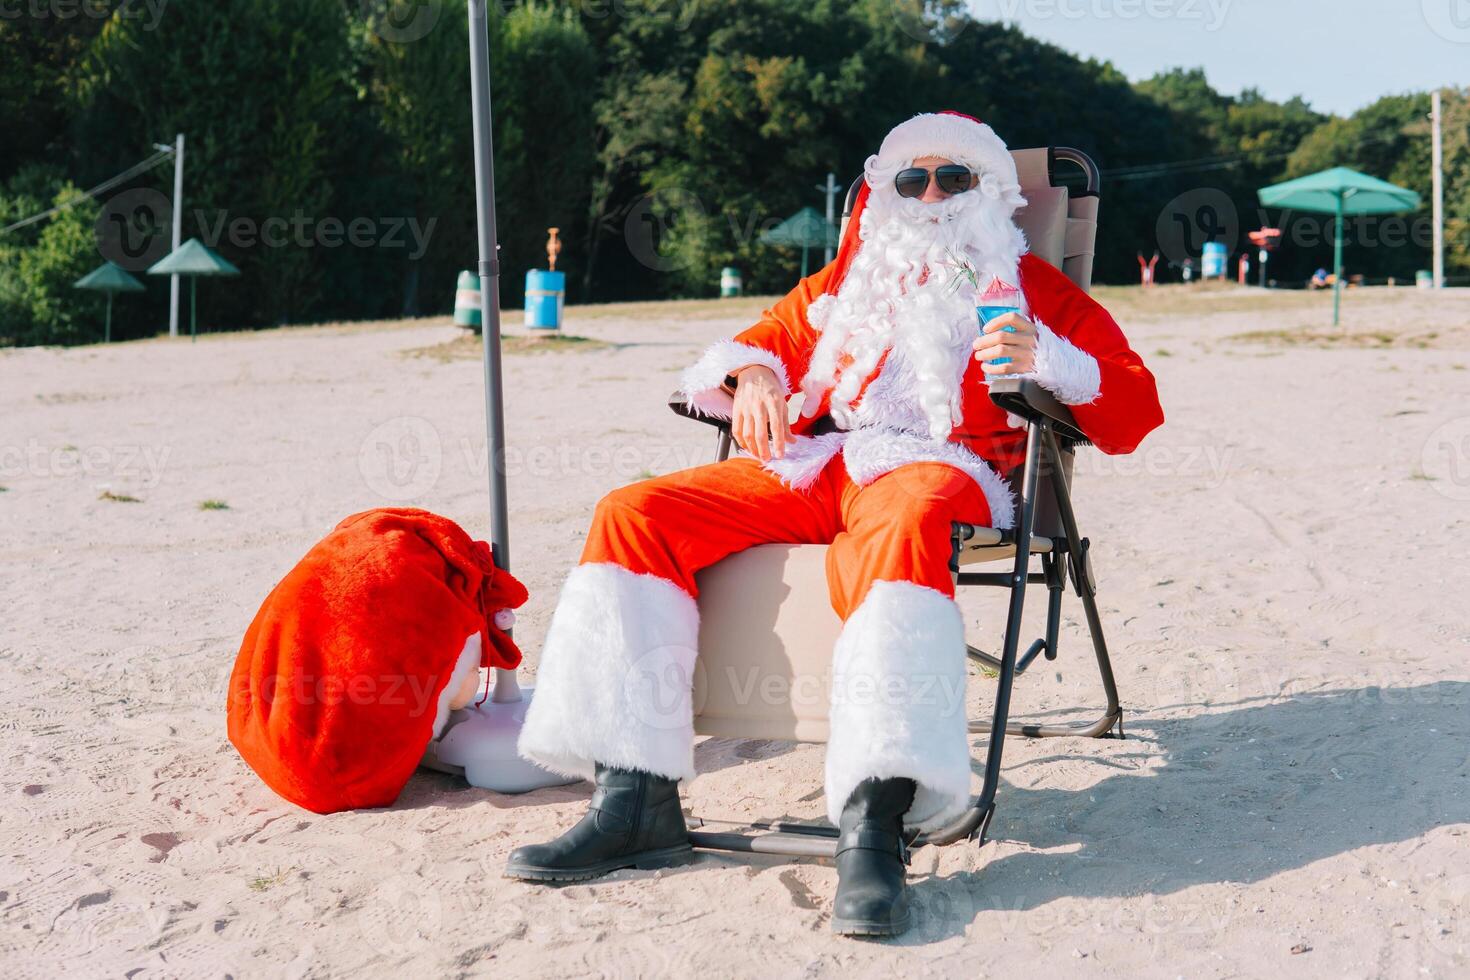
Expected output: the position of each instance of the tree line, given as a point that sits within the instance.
(328, 146)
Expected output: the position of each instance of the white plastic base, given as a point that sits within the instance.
(479, 742)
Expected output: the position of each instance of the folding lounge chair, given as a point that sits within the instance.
(750, 630)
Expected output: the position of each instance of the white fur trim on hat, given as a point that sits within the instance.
(1062, 368)
(870, 453)
(944, 135)
(898, 702)
(616, 677)
(702, 383)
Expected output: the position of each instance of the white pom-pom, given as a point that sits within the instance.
(504, 618)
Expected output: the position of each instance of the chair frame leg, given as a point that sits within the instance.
(1070, 555)
(797, 839)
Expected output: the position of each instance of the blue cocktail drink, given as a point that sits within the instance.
(995, 302)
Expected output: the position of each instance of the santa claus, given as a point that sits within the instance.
(895, 439)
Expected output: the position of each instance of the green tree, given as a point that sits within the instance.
(37, 52)
(414, 87)
(661, 138)
(545, 76)
(37, 302)
(260, 88)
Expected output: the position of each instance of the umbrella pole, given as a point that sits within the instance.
(107, 330)
(1337, 263)
(193, 309)
(506, 687)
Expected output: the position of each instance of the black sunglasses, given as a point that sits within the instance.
(951, 178)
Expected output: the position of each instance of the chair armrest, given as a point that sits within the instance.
(680, 406)
(1028, 400)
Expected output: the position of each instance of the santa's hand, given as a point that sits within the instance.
(758, 421)
(1009, 336)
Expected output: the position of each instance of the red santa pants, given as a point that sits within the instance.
(897, 528)
(614, 680)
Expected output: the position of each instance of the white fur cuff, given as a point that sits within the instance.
(898, 702)
(616, 678)
(1065, 370)
(702, 383)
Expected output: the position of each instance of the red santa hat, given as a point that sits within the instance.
(949, 134)
(348, 667)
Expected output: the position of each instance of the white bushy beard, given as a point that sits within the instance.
(900, 289)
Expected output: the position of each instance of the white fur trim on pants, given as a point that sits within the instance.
(898, 702)
(1064, 369)
(702, 383)
(615, 683)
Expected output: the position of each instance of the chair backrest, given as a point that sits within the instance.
(1060, 222)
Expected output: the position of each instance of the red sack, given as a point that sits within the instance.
(339, 679)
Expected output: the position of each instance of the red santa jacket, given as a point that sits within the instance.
(1082, 357)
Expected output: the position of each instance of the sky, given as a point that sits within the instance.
(1339, 55)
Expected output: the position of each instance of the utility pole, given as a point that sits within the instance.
(1436, 116)
(831, 188)
(173, 280)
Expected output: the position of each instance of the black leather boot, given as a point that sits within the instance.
(634, 821)
(872, 860)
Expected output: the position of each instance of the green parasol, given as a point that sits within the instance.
(806, 228)
(192, 259)
(109, 278)
(1339, 191)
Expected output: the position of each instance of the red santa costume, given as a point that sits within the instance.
(881, 342)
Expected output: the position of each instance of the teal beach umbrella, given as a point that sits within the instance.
(806, 228)
(1339, 191)
(109, 278)
(193, 259)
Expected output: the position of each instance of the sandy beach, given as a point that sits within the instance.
(1282, 571)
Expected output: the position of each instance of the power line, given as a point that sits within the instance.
(1148, 171)
(140, 167)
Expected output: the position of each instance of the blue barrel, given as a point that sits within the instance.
(545, 294)
(467, 300)
(1212, 262)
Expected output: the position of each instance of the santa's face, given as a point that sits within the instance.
(933, 193)
(975, 225)
(902, 288)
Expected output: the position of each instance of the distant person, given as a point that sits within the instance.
(896, 439)
(1320, 279)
